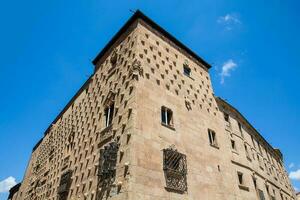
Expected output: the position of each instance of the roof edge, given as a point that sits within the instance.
(275, 150)
(139, 15)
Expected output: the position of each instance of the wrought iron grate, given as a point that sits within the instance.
(108, 162)
(64, 185)
(175, 169)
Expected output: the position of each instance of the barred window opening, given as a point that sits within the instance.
(108, 162)
(175, 169)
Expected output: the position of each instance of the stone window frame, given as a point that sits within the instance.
(187, 71)
(167, 117)
(212, 138)
(241, 181)
(109, 114)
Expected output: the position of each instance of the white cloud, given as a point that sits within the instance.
(295, 175)
(227, 67)
(296, 189)
(7, 183)
(229, 20)
(291, 165)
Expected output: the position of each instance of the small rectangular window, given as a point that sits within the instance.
(186, 70)
(247, 152)
(109, 114)
(240, 127)
(240, 178)
(261, 194)
(166, 116)
(233, 146)
(226, 117)
(212, 138)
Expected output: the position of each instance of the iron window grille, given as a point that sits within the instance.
(108, 162)
(64, 185)
(175, 170)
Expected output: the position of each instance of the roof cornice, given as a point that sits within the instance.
(139, 15)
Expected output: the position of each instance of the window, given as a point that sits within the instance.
(64, 185)
(240, 127)
(175, 170)
(186, 70)
(247, 152)
(226, 117)
(107, 163)
(261, 195)
(233, 146)
(241, 181)
(212, 138)
(240, 178)
(254, 182)
(166, 116)
(253, 142)
(109, 114)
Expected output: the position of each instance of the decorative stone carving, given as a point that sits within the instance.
(114, 57)
(109, 98)
(136, 69)
(188, 103)
(106, 134)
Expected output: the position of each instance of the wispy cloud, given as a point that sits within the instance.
(7, 183)
(291, 165)
(227, 68)
(295, 175)
(229, 20)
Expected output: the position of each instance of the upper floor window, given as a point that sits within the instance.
(240, 178)
(166, 116)
(242, 184)
(109, 114)
(212, 138)
(247, 152)
(240, 127)
(233, 145)
(226, 117)
(186, 70)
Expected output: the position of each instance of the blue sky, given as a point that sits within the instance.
(47, 48)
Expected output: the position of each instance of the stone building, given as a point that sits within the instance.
(298, 196)
(147, 125)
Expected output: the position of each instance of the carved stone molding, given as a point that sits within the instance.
(110, 98)
(136, 69)
(188, 103)
(114, 57)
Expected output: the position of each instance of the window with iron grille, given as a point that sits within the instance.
(107, 163)
(64, 185)
(175, 170)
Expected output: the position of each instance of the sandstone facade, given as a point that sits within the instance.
(147, 125)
